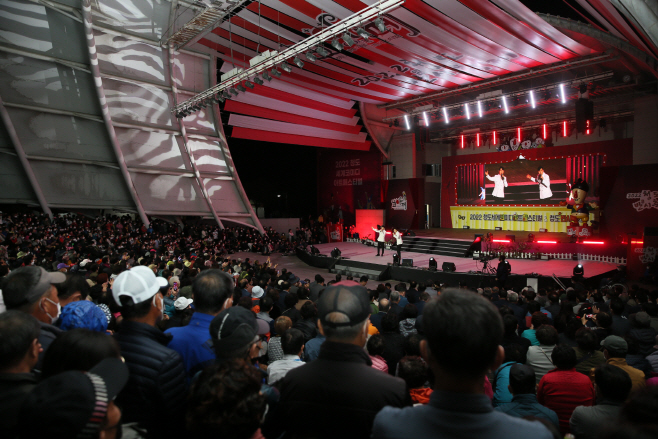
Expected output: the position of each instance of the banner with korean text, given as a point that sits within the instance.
(530, 219)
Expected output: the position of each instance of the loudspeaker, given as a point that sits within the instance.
(407, 262)
(449, 267)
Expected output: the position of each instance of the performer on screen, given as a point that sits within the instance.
(398, 242)
(500, 183)
(381, 237)
(544, 182)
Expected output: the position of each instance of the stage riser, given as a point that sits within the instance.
(439, 247)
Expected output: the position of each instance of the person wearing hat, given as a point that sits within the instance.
(236, 333)
(339, 393)
(76, 404)
(32, 290)
(182, 314)
(158, 385)
(463, 333)
(213, 291)
(615, 349)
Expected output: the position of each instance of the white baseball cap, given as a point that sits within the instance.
(257, 292)
(182, 302)
(139, 283)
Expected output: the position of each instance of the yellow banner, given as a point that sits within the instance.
(527, 218)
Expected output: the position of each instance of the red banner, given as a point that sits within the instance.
(335, 232)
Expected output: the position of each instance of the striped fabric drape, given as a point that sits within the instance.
(587, 168)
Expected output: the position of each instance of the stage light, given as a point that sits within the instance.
(505, 105)
(562, 95)
(240, 88)
(348, 39)
(249, 84)
(545, 131)
(285, 67)
(337, 44)
(532, 99)
(335, 253)
(564, 128)
(362, 33)
(321, 51)
(380, 24)
(518, 134)
(480, 108)
(266, 76)
(276, 73)
(314, 250)
(406, 120)
(227, 94)
(258, 81)
(594, 242)
(310, 57)
(427, 122)
(468, 112)
(546, 242)
(494, 137)
(298, 62)
(445, 114)
(587, 127)
(234, 92)
(477, 139)
(433, 265)
(396, 260)
(219, 97)
(462, 141)
(578, 270)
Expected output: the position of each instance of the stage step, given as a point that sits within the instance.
(358, 269)
(441, 247)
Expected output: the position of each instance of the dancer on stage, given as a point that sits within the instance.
(381, 237)
(500, 183)
(398, 242)
(544, 182)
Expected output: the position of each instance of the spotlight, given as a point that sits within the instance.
(258, 81)
(337, 44)
(562, 94)
(249, 84)
(276, 73)
(396, 260)
(406, 120)
(396, 123)
(335, 253)
(532, 99)
(266, 76)
(505, 105)
(298, 62)
(480, 108)
(227, 94)
(285, 67)
(321, 51)
(380, 25)
(433, 265)
(348, 39)
(578, 271)
(314, 250)
(362, 33)
(310, 57)
(219, 97)
(445, 114)
(240, 88)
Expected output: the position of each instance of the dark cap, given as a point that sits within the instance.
(522, 378)
(15, 299)
(615, 343)
(72, 404)
(352, 301)
(235, 328)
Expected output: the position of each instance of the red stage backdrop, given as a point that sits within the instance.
(404, 199)
(598, 155)
(349, 180)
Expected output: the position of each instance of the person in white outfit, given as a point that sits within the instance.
(381, 237)
(500, 183)
(398, 243)
(544, 183)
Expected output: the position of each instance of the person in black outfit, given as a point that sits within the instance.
(503, 271)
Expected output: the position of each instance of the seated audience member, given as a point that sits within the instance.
(292, 342)
(642, 331)
(408, 320)
(415, 372)
(274, 349)
(463, 333)
(212, 291)
(393, 341)
(19, 353)
(289, 309)
(394, 300)
(376, 319)
(634, 358)
(338, 394)
(513, 355)
(225, 402)
(615, 349)
(79, 349)
(563, 388)
(587, 354)
(375, 347)
(157, 386)
(306, 324)
(539, 357)
(620, 324)
(638, 417)
(538, 319)
(76, 404)
(83, 314)
(653, 358)
(613, 386)
(511, 326)
(32, 290)
(523, 386)
(424, 298)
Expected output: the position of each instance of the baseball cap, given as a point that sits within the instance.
(62, 265)
(15, 299)
(615, 343)
(83, 314)
(72, 404)
(643, 318)
(234, 328)
(138, 283)
(182, 302)
(521, 373)
(352, 301)
(257, 292)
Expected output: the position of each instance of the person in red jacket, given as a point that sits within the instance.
(563, 388)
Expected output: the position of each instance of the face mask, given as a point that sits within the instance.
(161, 307)
(59, 311)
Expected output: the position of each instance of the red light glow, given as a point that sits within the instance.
(545, 133)
(637, 242)
(547, 242)
(477, 137)
(594, 242)
(462, 141)
(500, 240)
(518, 134)
(494, 137)
(564, 128)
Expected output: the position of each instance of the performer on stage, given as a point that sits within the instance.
(398, 242)
(500, 183)
(544, 183)
(381, 237)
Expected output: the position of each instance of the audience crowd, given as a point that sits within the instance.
(112, 329)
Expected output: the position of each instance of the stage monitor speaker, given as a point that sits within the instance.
(449, 267)
(407, 262)
(512, 238)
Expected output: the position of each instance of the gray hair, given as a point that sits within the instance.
(395, 296)
(342, 333)
(512, 296)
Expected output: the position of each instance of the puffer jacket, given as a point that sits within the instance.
(155, 393)
(408, 327)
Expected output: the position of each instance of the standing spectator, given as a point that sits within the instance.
(292, 342)
(212, 291)
(393, 341)
(415, 372)
(395, 303)
(587, 354)
(615, 349)
(413, 295)
(463, 333)
(19, 353)
(563, 388)
(307, 323)
(274, 349)
(376, 319)
(157, 385)
(620, 324)
(316, 287)
(375, 347)
(539, 357)
(32, 290)
(408, 320)
(424, 298)
(352, 392)
(613, 386)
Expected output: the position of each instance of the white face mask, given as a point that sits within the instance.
(59, 311)
(161, 307)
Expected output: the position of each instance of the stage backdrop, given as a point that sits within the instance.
(347, 179)
(553, 219)
(586, 160)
